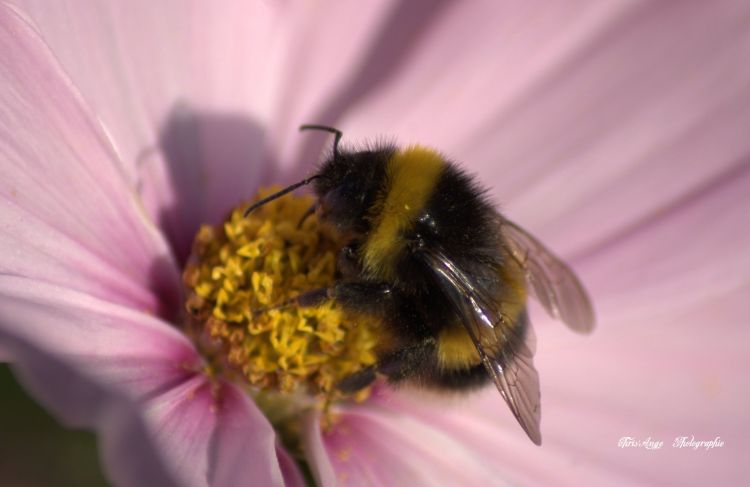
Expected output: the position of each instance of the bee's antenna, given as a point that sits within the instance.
(279, 194)
(326, 128)
(337, 133)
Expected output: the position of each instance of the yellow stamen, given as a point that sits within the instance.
(241, 270)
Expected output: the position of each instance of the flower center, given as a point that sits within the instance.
(240, 279)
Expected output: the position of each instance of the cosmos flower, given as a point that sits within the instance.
(615, 131)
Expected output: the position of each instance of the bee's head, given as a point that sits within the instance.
(347, 185)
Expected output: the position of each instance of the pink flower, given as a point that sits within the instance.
(615, 131)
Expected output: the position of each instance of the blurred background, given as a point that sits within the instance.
(35, 450)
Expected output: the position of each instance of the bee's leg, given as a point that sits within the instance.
(396, 366)
(357, 381)
(347, 263)
(364, 296)
(358, 294)
(307, 299)
(307, 214)
(403, 363)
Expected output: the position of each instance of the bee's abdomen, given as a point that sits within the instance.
(455, 349)
(459, 379)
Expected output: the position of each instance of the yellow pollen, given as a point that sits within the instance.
(239, 274)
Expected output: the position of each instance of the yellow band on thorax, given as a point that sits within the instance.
(412, 174)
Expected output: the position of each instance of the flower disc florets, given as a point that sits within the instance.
(238, 278)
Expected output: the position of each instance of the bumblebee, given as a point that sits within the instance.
(445, 273)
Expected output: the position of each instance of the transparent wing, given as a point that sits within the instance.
(506, 347)
(550, 279)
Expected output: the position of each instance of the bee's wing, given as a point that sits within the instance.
(550, 280)
(511, 367)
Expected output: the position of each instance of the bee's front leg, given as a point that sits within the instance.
(307, 299)
(364, 296)
(348, 265)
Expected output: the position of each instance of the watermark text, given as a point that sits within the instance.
(680, 442)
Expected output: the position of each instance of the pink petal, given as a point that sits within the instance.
(214, 435)
(144, 58)
(693, 252)
(213, 163)
(68, 215)
(89, 361)
(125, 443)
(115, 346)
(372, 448)
(583, 121)
(472, 61)
(659, 110)
(185, 91)
(322, 76)
(289, 469)
(99, 365)
(681, 377)
(318, 456)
